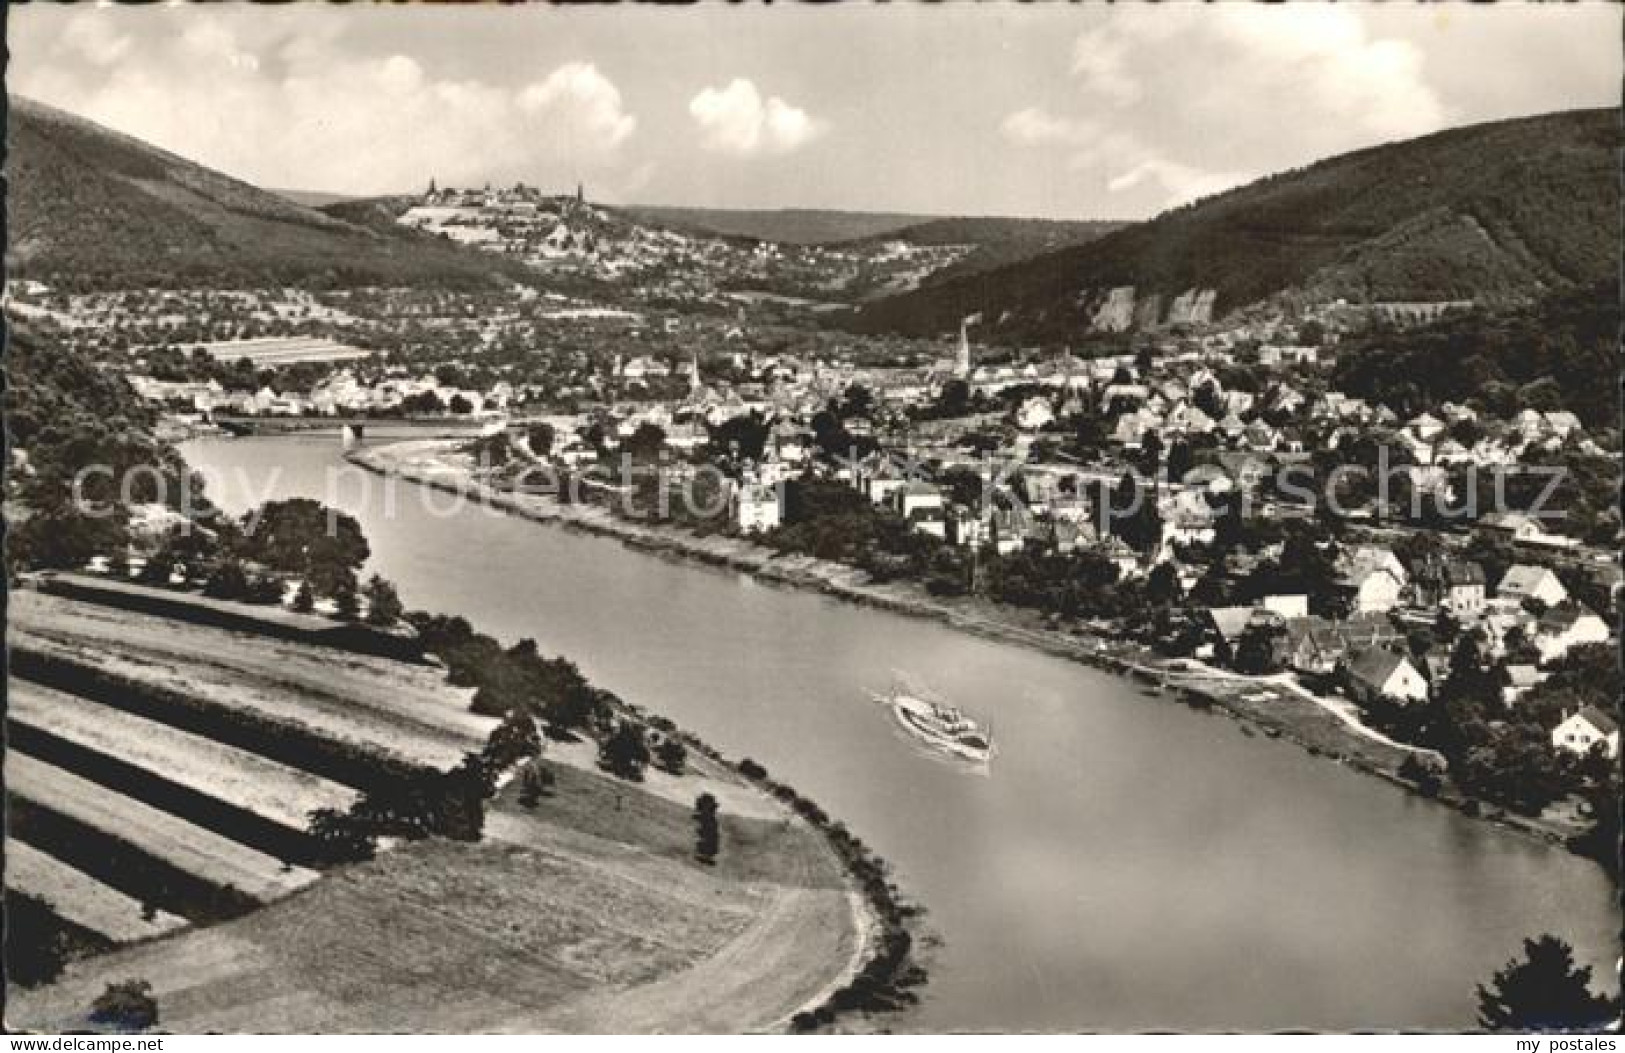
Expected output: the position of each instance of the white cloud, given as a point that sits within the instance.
(1164, 105)
(1325, 57)
(1181, 183)
(736, 120)
(580, 95)
(1118, 158)
(303, 110)
(1035, 126)
(1100, 62)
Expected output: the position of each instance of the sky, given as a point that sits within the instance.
(1060, 111)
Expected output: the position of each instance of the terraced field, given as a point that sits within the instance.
(242, 779)
(215, 859)
(150, 806)
(82, 900)
(375, 703)
(283, 350)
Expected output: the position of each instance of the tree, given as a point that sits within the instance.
(346, 604)
(536, 781)
(36, 947)
(707, 833)
(1545, 991)
(1180, 460)
(672, 755)
(857, 401)
(1150, 452)
(64, 539)
(422, 402)
(343, 838)
(1133, 514)
(954, 400)
(118, 564)
(460, 405)
(1473, 678)
(1162, 584)
(384, 607)
(1208, 400)
(304, 537)
(744, 436)
(513, 740)
(228, 582)
(1257, 652)
(541, 437)
(264, 589)
(646, 441)
(156, 571)
(304, 600)
(128, 1006)
(625, 753)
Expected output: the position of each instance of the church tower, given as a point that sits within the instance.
(962, 357)
(694, 385)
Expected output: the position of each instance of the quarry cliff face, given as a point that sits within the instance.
(1122, 308)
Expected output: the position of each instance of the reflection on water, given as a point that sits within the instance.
(1124, 863)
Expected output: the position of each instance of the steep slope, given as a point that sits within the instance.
(1495, 213)
(88, 205)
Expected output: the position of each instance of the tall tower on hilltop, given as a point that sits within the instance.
(581, 194)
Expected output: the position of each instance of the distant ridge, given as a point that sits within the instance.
(89, 205)
(312, 198)
(1495, 213)
(798, 226)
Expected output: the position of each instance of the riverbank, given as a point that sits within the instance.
(1321, 726)
(588, 906)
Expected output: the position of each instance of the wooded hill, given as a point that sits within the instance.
(89, 207)
(1495, 213)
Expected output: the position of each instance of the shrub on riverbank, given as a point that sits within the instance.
(515, 678)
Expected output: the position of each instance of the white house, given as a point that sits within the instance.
(755, 506)
(918, 497)
(1526, 581)
(1564, 628)
(1374, 587)
(1454, 585)
(1383, 674)
(1514, 526)
(1586, 727)
(1562, 423)
(1293, 605)
(1521, 679)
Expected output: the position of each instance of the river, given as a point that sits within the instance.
(1126, 863)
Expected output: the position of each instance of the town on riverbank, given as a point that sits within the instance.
(1242, 463)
